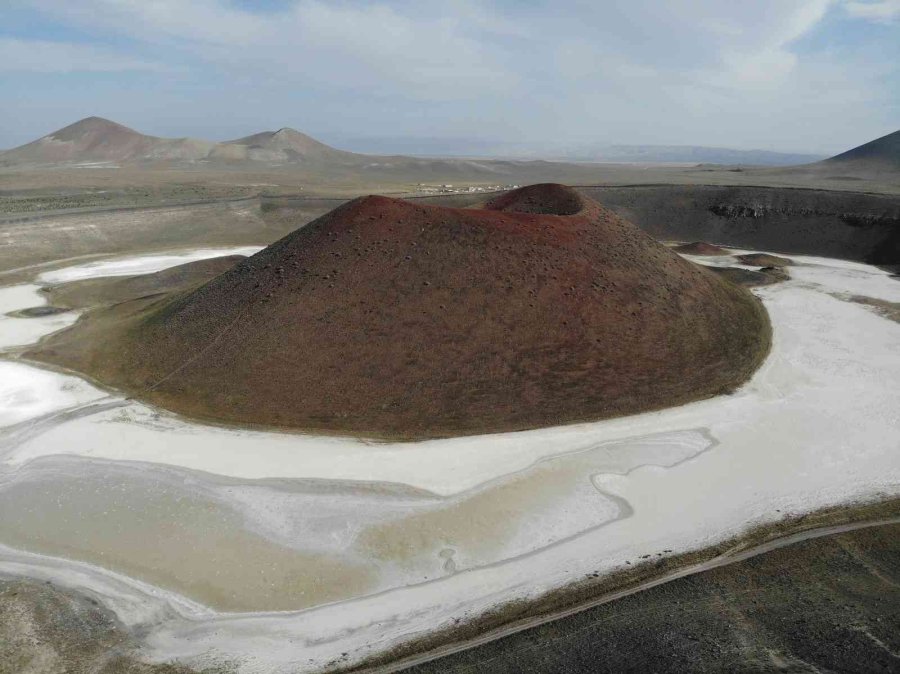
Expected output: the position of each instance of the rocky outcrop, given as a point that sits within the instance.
(849, 225)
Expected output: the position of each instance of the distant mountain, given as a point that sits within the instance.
(878, 161)
(881, 153)
(690, 154)
(98, 140)
(95, 140)
(285, 139)
(436, 146)
(96, 143)
(284, 145)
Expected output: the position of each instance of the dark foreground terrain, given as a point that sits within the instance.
(826, 605)
(45, 629)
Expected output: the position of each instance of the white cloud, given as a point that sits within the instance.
(687, 71)
(18, 55)
(765, 60)
(365, 46)
(210, 21)
(882, 11)
(470, 45)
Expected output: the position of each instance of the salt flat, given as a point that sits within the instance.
(142, 264)
(21, 332)
(446, 529)
(27, 393)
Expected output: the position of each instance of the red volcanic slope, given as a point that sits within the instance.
(392, 318)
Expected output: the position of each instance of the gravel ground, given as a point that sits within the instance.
(830, 604)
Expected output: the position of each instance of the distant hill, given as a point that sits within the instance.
(882, 152)
(877, 161)
(638, 154)
(690, 154)
(98, 140)
(100, 143)
(95, 140)
(284, 145)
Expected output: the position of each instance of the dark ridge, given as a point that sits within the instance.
(701, 248)
(749, 278)
(884, 150)
(764, 260)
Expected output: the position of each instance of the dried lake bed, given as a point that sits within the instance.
(290, 552)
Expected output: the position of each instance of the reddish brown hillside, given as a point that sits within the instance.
(392, 318)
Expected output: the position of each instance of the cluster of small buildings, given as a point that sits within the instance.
(451, 189)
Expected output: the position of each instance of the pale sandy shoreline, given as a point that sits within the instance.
(812, 430)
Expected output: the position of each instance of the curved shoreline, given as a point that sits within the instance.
(145, 606)
(241, 627)
(442, 644)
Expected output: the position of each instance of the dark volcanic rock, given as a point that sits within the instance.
(764, 260)
(37, 312)
(700, 248)
(750, 278)
(847, 225)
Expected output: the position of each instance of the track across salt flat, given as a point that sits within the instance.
(816, 427)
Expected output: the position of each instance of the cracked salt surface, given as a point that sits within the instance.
(520, 513)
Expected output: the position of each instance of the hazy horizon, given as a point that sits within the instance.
(806, 76)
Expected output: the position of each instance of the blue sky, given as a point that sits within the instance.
(791, 75)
